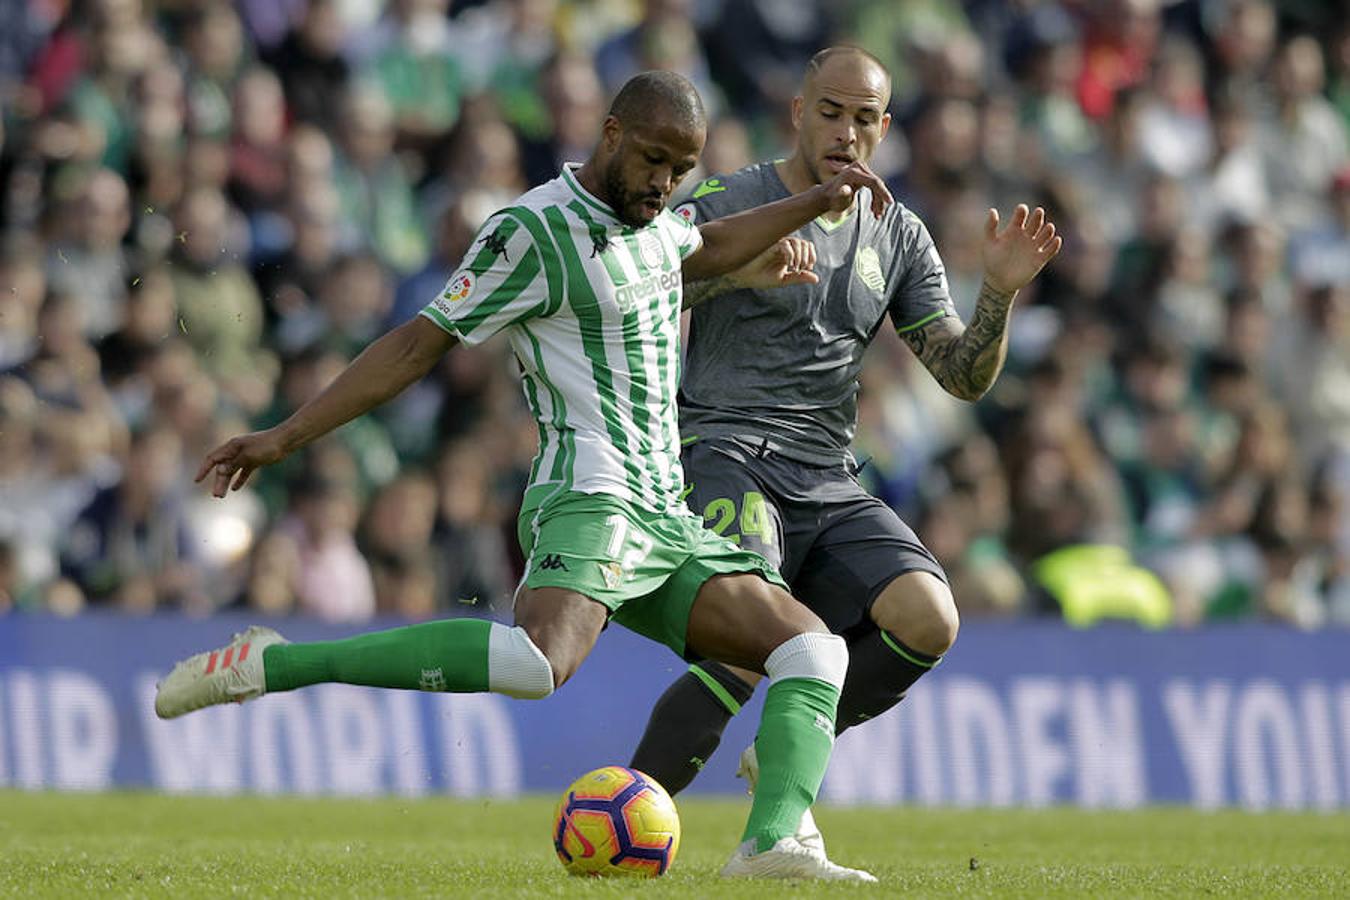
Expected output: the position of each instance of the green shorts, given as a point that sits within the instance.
(645, 567)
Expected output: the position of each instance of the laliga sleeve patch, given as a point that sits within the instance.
(460, 287)
(686, 211)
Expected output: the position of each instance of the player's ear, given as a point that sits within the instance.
(798, 104)
(885, 123)
(611, 134)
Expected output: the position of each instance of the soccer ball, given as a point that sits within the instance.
(616, 821)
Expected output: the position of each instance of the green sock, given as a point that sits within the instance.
(433, 656)
(796, 735)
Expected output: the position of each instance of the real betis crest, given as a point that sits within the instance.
(649, 245)
(868, 265)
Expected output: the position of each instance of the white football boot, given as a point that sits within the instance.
(807, 834)
(232, 674)
(789, 859)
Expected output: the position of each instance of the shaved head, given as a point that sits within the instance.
(848, 62)
(659, 97)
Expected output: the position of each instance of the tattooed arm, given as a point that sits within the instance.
(965, 359)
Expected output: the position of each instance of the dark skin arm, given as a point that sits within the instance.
(789, 261)
(382, 371)
(735, 240)
(966, 360)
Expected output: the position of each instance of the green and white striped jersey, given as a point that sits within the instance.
(592, 310)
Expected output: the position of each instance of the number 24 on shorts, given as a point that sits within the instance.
(719, 514)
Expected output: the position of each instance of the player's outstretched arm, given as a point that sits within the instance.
(790, 261)
(966, 360)
(735, 240)
(382, 370)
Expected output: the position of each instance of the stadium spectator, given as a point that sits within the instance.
(311, 66)
(86, 257)
(333, 579)
(130, 546)
(374, 186)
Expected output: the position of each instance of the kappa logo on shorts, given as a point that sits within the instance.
(552, 562)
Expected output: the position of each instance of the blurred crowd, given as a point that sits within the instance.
(207, 208)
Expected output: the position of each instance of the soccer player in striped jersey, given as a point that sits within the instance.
(767, 434)
(584, 275)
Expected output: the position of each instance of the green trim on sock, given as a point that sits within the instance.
(715, 686)
(909, 654)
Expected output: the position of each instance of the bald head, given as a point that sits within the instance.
(659, 98)
(848, 64)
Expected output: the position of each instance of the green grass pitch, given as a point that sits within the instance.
(62, 845)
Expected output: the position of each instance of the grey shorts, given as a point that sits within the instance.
(836, 545)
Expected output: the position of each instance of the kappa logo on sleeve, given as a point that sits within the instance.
(460, 287)
(495, 244)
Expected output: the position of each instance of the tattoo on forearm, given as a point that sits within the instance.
(965, 360)
(697, 292)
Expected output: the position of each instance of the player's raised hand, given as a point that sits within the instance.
(840, 189)
(1013, 256)
(236, 459)
(789, 261)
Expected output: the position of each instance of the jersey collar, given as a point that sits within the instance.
(570, 179)
(825, 224)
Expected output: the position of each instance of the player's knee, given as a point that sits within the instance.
(812, 654)
(918, 608)
(518, 668)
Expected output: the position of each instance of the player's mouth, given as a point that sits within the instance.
(838, 162)
(652, 206)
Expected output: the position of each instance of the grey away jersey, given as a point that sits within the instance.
(782, 365)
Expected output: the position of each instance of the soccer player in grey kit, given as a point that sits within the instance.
(768, 408)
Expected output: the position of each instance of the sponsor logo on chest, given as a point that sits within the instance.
(630, 295)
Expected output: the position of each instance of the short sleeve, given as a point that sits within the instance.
(921, 293)
(500, 282)
(684, 233)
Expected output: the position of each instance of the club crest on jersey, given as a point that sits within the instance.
(868, 265)
(460, 287)
(612, 572)
(649, 246)
(686, 211)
